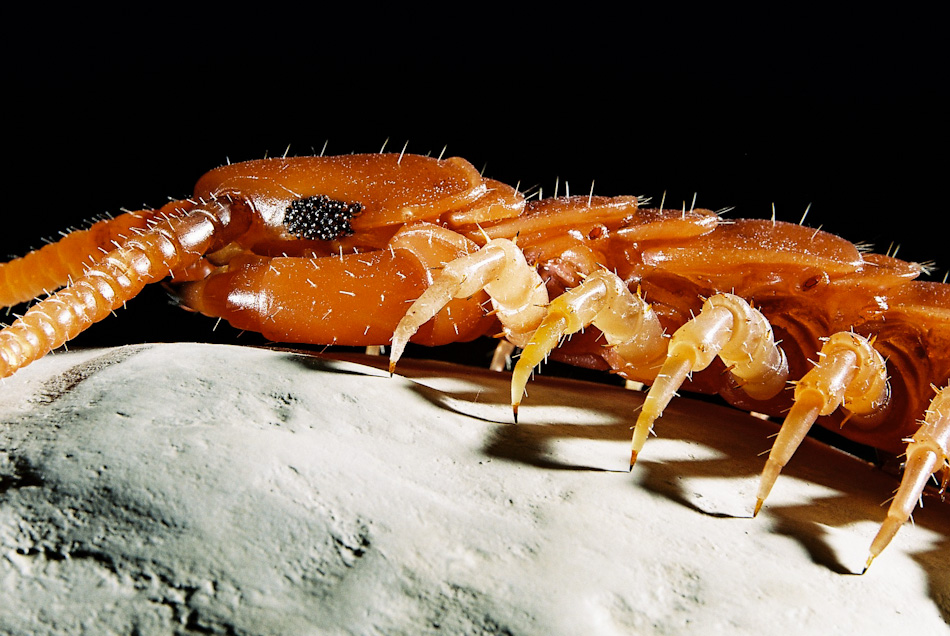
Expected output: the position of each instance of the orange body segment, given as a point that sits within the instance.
(356, 300)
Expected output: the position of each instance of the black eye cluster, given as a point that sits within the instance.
(320, 218)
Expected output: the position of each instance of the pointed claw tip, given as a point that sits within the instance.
(758, 507)
(633, 460)
(514, 412)
(868, 564)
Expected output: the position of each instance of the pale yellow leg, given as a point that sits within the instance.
(849, 372)
(728, 327)
(628, 323)
(515, 288)
(927, 452)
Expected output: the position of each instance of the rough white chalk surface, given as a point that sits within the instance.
(167, 489)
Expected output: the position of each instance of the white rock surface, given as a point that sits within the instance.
(185, 488)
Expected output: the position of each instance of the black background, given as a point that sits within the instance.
(748, 110)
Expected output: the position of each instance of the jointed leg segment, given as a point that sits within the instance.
(927, 453)
(627, 321)
(850, 372)
(515, 288)
(728, 327)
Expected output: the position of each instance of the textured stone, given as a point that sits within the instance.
(185, 488)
